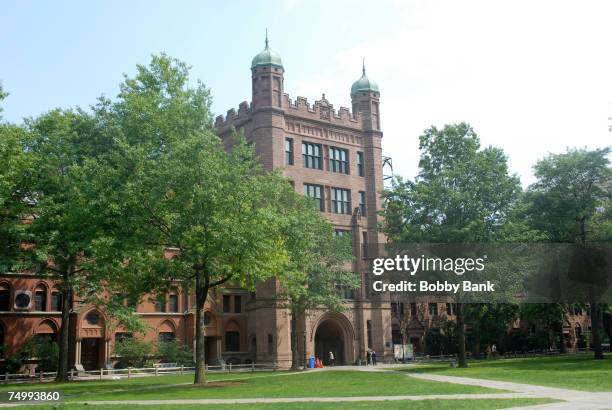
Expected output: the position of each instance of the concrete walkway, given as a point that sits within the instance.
(574, 399)
(295, 400)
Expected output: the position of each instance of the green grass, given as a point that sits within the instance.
(387, 405)
(255, 385)
(579, 372)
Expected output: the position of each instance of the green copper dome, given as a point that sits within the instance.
(267, 57)
(364, 84)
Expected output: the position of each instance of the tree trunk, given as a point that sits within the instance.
(461, 356)
(201, 295)
(295, 354)
(64, 333)
(596, 331)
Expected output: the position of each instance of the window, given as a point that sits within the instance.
(312, 155)
(396, 335)
(433, 309)
(56, 301)
(397, 309)
(270, 343)
(5, 296)
(360, 170)
(346, 292)
(40, 300)
(338, 160)
(121, 336)
(362, 202)
(369, 326)
(315, 192)
(341, 200)
(23, 300)
(413, 310)
(92, 319)
(166, 337)
(449, 309)
(226, 304)
(364, 243)
(160, 304)
(207, 319)
(344, 233)
(288, 151)
(237, 304)
(232, 341)
(173, 303)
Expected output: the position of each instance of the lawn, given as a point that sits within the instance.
(485, 404)
(255, 385)
(578, 372)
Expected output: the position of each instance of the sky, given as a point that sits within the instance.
(531, 77)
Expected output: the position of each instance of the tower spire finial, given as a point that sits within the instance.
(266, 37)
(363, 65)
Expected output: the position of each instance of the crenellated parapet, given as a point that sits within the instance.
(321, 110)
(232, 117)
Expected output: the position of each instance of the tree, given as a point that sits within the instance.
(462, 194)
(3, 95)
(571, 194)
(316, 273)
(62, 231)
(175, 189)
(489, 321)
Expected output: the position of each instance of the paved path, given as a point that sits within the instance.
(574, 399)
(303, 399)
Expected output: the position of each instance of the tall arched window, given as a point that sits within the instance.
(40, 298)
(56, 300)
(5, 297)
(1, 341)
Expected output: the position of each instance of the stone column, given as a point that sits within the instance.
(77, 352)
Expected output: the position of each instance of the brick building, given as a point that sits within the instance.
(331, 155)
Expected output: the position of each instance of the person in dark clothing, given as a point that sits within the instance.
(373, 358)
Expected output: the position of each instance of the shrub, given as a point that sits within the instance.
(48, 356)
(175, 352)
(132, 352)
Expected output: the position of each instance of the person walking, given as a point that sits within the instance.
(373, 358)
(331, 358)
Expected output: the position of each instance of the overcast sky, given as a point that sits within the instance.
(532, 77)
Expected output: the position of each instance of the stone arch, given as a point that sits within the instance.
(93, 324)
(47, 326)
(212, 328)
(166, 331)
(333, 332)
(46, 330)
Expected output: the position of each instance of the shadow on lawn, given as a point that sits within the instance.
(554, 364)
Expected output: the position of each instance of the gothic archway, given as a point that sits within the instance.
(334, 334)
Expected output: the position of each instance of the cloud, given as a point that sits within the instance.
(531, 77)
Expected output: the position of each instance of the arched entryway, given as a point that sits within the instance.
(91, 345)
(334, 334)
